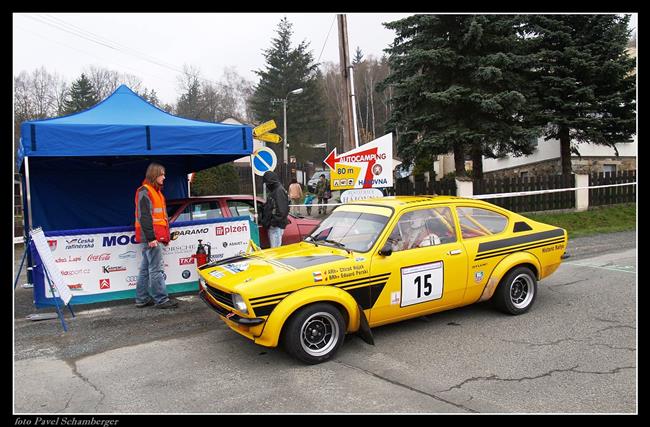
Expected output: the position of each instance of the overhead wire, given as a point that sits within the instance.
(326, 37)
(89, 36)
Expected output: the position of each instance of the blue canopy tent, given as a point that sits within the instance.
(82, 170)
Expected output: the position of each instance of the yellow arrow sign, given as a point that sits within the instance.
(270, 137)
(264, 127)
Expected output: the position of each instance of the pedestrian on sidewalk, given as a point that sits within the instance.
(323, 193)
(276, 209)
(309, 199)
(295, 195)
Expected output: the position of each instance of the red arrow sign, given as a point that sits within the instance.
(332, 158)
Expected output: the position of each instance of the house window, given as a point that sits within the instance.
(609, 169)
(523, 174)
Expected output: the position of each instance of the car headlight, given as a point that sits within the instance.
(239, 303)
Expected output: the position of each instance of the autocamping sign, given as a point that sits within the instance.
(368, 166)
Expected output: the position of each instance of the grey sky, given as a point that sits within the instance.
(65, 43)
(154, 47)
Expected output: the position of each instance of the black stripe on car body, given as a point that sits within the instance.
(519, 240)
(522, 246)
(365, 294)
(512, 251)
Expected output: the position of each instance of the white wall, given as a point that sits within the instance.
(550, 149)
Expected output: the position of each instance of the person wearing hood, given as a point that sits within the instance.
(276, 209)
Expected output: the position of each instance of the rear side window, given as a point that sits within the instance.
(477, 222)
(205, 210)
(241, 208)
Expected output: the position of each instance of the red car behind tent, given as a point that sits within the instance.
(209, 207)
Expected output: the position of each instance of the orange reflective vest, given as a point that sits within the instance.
(158, 213)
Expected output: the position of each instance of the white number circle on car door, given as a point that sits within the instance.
(422, 283)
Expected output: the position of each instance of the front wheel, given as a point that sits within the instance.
(315, 333)
(516, 292)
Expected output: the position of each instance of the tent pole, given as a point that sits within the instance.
(27, 226)
(29, 195)
(254, 190)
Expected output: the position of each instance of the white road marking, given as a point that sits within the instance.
(621, 268)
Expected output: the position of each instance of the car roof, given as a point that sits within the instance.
(401, 202)
(224, 196)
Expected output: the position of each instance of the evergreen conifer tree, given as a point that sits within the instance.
(584, 79)
(458, 87)
(288, 69)
(81, 97)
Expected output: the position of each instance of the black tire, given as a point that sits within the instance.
(516, 292)
(314, 333)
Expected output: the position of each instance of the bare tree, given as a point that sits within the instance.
(105, 81)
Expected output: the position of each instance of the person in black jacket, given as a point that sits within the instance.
(276, 210)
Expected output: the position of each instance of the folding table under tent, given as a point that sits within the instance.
(82, 170)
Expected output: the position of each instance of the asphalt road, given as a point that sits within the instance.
(574, 352)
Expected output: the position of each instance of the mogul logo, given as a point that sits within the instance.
(108, 269)
(185, 261)
(100, 257)
(174, 235)
(104, 283)
(52, 244)
(222, 230)
(122, 240)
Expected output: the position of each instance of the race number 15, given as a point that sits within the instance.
(422, 283)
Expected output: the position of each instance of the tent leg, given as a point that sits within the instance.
(56, 302)
(254, 191)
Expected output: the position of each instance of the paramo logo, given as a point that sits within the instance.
(175, 234)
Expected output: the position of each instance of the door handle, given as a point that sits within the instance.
(455, 252)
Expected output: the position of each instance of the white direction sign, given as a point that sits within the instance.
(360, 194)
(263, 160)
(369, 166)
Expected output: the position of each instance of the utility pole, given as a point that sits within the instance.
(348, 119)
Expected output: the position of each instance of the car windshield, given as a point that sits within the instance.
(356, 231)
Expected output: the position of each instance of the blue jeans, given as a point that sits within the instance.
(151, 279)
(275, 236)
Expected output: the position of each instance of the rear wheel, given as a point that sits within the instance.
(315, 333)
(517, 291)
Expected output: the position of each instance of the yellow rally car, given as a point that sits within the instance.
(380, 261)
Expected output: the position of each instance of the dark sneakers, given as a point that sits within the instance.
(144, 304)
(170, 303)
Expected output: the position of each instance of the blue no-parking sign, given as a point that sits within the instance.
(264, 160)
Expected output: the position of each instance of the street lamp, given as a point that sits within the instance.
(284, 102)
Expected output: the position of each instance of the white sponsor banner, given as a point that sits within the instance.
(56, 278)
(360, 194)
(109, 262)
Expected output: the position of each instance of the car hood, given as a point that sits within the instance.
(271, 265)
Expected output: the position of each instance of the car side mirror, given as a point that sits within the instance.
(386, 250)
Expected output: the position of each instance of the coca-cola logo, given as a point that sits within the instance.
(101, 257)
